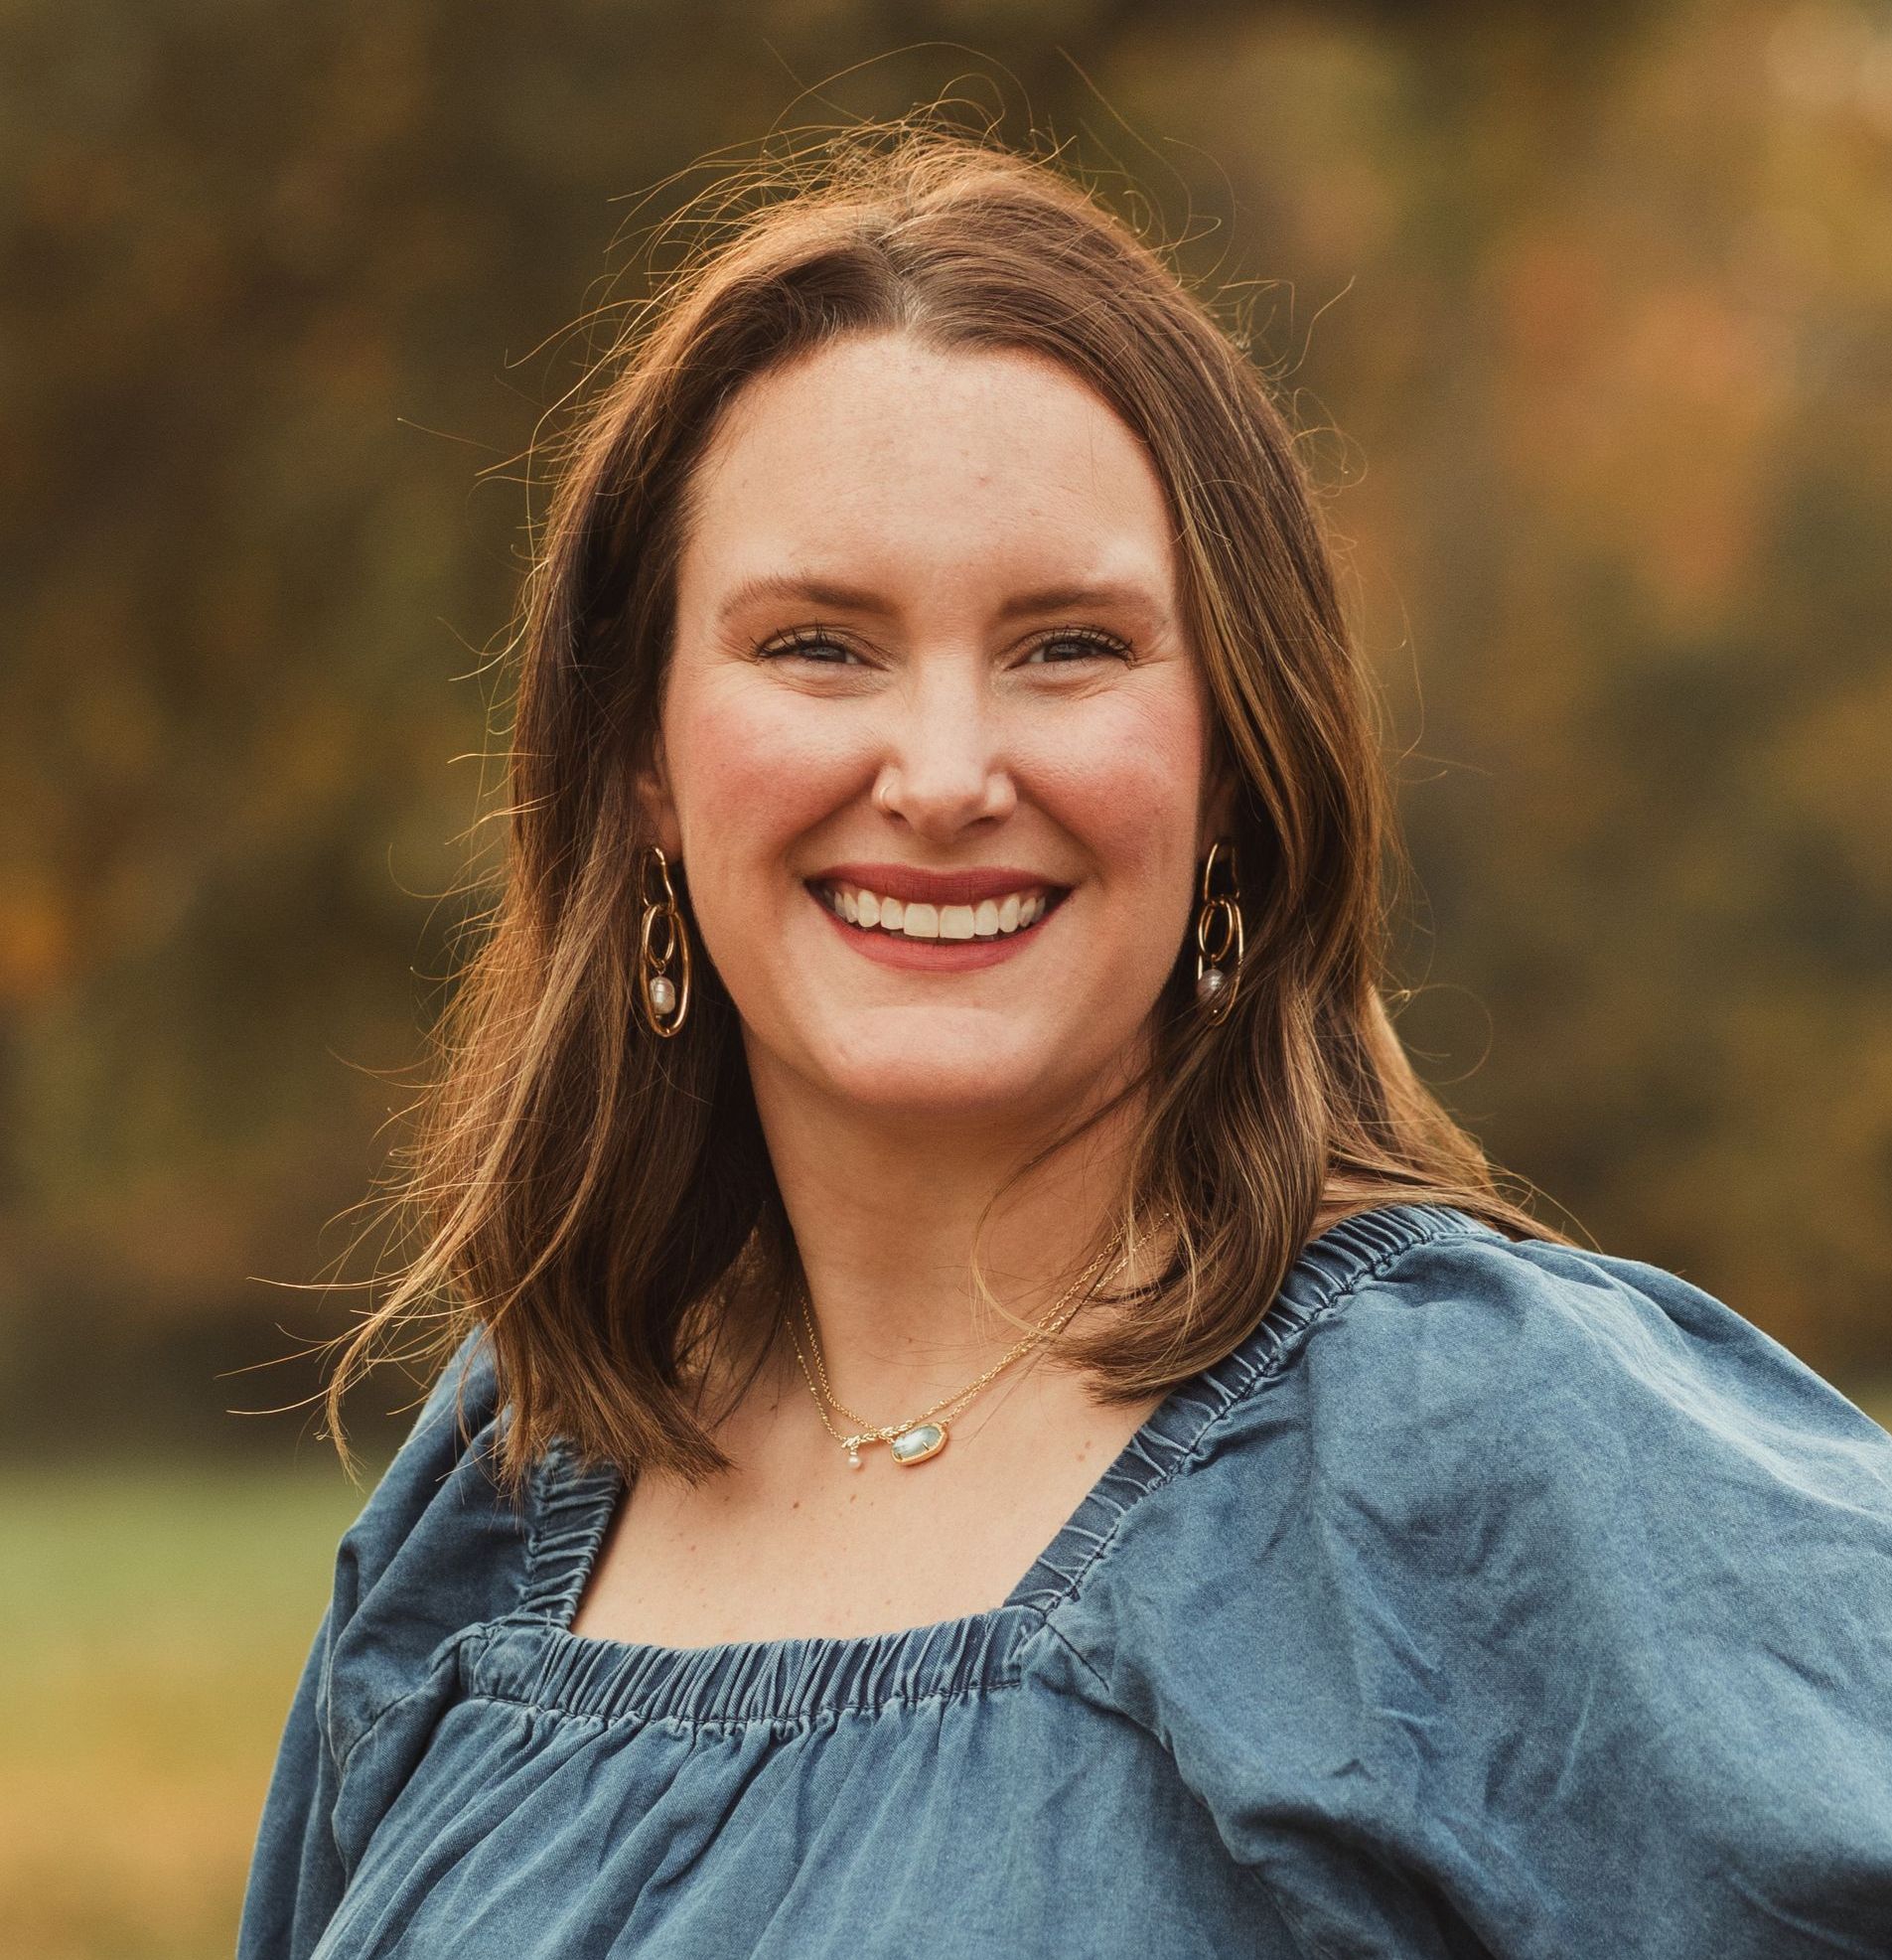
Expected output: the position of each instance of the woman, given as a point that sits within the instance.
(993, 1414)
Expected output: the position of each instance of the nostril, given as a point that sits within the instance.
(933, 796)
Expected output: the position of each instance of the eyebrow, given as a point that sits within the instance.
(833, 595)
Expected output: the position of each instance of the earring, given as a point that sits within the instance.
(662, 939)
(1218, 942)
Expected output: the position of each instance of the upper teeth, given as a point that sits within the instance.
(986, 920)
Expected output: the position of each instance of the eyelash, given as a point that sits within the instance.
(805, 637)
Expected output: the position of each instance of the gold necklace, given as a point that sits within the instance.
(925, 1435)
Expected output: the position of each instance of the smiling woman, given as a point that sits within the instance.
(942, 965)
(993, 698)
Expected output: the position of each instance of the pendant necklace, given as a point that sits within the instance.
(923, 1435)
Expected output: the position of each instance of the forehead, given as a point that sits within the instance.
(904, 460)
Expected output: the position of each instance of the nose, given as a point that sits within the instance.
(944, 772)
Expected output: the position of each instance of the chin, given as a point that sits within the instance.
(939, 1071)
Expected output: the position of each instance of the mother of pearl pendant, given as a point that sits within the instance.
(916, 1444)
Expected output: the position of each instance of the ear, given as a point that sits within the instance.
(1218, 808)
(656, 804)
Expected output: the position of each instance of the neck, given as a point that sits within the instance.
(887, 1213)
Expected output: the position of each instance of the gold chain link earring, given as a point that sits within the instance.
(662, 939)
(1219, 942)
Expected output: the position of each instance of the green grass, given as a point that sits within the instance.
(155, 1622)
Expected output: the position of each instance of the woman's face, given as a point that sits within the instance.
(933, 743)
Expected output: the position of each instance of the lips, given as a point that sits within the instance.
(891, 912)
(905, 902)
(913, 884)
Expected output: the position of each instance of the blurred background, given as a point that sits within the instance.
(1587, 314)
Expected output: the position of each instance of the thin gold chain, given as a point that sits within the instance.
(1042, 1331)
(949, 1405)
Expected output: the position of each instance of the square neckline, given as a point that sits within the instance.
(532, 1655)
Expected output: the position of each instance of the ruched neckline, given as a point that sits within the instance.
(533, 1657)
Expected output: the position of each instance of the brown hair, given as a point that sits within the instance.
(593, 1198)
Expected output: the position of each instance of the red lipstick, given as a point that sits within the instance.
(911, 883)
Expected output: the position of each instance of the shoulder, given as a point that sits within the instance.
(1478, 1353)
(1468, 1390)
(1523, 1562)
(435, 1549)
(450, 1434)
(437, 1546)
(1472, 1458)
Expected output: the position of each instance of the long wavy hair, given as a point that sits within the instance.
(598, 1201)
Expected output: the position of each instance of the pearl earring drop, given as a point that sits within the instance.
(1219, 945)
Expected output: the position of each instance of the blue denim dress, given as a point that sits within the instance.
(1490, 1598)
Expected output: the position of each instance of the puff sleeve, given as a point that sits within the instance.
(432, 1549)
(1564, 1626)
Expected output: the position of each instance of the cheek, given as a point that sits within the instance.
(752, 768)
(1130, 790)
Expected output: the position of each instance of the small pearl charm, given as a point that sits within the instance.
(1209, 984)
(664, 996)
(853, 1459)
